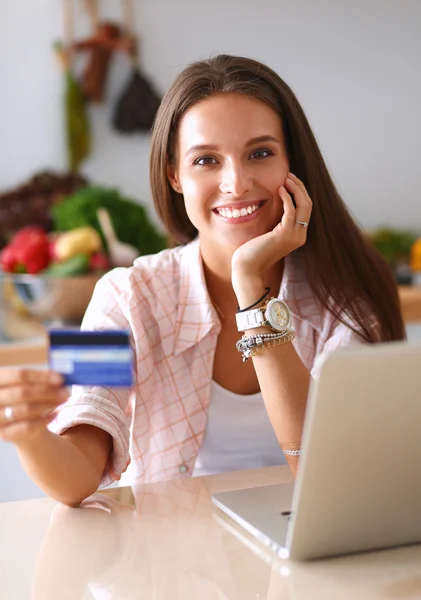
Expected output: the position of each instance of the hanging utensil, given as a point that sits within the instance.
(121, 254)
(78, 142)
(99, 47)
(138, 103)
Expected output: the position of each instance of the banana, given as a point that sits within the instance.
(83, 240)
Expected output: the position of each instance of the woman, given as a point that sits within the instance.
(237, 177)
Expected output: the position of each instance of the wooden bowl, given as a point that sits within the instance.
(50, 300)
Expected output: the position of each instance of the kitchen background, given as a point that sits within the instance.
(354, 67)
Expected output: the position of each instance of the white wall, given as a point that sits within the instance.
(354, 66)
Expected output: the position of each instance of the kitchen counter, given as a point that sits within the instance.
(165, 541)
(24, 352)
(410, 297)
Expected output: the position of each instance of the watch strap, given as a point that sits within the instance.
(250, 319)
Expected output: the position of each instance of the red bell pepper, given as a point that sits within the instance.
(28, 252)
(29, 232)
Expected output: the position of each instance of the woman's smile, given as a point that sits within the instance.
(240, 212)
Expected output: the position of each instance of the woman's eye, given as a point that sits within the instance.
(261, 153)
(205, 160)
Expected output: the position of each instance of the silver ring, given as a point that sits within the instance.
(8, 413)
(303, 223)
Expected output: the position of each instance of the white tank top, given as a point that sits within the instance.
(238, 435)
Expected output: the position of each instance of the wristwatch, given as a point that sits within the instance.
(274, 314)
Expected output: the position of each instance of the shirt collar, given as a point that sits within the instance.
(196, 315)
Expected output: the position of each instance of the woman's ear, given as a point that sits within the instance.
(173, 178)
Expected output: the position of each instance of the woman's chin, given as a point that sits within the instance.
(235, 239)
(228, 240)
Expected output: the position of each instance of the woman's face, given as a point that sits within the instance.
(230, 161)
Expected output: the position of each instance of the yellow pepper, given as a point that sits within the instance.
(83, 240)
(416, 256)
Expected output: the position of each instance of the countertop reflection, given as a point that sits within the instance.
(165, 541)
(156, 541)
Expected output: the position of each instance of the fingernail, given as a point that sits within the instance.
(290, 180)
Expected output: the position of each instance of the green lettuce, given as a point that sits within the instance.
(130, 219)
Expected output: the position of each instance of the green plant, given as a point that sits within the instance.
(394, 244)
(131, 221)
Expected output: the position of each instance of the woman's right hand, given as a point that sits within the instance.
(28, 400)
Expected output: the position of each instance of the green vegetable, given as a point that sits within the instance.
(130, 219)
(77, 124)
(77, 129)
(77, 265)
(393, 244)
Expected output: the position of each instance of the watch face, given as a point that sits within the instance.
(278, 315)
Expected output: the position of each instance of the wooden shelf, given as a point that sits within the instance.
(411, 303)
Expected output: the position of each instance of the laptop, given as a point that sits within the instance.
(358, 486)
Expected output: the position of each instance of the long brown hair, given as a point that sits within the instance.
(344, 270)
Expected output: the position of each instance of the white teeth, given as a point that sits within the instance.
(235, 213)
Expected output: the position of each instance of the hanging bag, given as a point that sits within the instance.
(138, 103)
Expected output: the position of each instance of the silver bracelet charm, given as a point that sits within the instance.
(293, 452)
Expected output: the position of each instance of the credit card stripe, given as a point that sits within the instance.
(82, 338)
(76, 348)
(121, 355)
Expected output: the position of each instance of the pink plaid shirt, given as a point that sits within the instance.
(158, 426)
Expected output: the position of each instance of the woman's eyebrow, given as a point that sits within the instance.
(201, 148)
(263, 138)
(250, 142)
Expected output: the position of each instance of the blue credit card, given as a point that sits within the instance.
(91, 358)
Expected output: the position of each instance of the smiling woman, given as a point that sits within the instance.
(266, 247)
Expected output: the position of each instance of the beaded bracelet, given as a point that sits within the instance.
(251, 341)
(257, 344)
(293, 452)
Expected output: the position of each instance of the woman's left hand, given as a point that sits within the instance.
(253, 258)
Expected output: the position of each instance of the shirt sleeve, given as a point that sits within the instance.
(342, 337)
(109, 409)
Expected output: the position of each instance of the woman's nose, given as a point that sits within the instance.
(236, 180)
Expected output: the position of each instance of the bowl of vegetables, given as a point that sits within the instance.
(51, 277)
